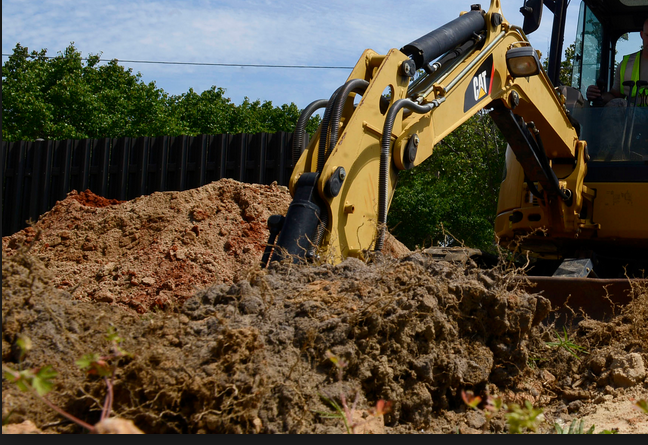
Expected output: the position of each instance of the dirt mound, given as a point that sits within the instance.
(221, 345)
(155, 250)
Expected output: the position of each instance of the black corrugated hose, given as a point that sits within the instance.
(385, 158)
(300, 128)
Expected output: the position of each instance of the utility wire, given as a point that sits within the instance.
(243, 65)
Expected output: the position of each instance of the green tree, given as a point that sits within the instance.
(454, 191)
(566, 65)
(257, 117)
(212, 113)
(205, 113)
(25, 111)
(65, 97)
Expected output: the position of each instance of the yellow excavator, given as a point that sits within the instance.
(575, 191)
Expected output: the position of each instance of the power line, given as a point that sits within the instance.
(242, 65)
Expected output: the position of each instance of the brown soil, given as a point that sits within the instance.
(221, 345)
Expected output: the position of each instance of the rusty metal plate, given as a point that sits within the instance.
(599, 298)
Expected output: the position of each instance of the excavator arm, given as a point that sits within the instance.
(395, 108)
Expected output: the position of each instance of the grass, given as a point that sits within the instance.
(567, 344)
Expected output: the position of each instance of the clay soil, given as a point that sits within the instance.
(220, 345)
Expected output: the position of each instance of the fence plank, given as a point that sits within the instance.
(203, 145)
(33, 186)
(3, 162)
(138, 181)
(17, 213)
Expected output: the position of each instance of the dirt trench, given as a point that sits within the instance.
(220, 345)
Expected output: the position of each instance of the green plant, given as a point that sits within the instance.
(40, 381)
(533, 360)
(575, 427)
(105, 367)
(341, 412)
(642, 405)
(521, 418)
(567, 344)
(518, 418)
(342, 409)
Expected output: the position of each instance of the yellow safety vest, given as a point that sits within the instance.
(634, 77)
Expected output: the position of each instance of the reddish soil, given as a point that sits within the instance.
(89, 199)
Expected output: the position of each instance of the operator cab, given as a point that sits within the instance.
(616, 134)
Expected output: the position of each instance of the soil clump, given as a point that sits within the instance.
(220, 345)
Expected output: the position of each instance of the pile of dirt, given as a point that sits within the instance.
(221, 345)
(155, 250)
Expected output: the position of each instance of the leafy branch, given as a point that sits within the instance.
(40, 381)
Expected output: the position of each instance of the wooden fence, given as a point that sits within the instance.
(37, 174)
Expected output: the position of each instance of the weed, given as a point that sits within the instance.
(40, 381)
(105, 367)
(341, 412)
(575, 427)
(518, 418)
(642, 405)
(567, 344)
(532, 362)
(342, 409)
(521, 418)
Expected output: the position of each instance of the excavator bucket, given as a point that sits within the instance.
(571, 298)
(597, 298)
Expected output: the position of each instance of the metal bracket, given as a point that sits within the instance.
(576, 268)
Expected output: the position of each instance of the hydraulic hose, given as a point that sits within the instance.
(330, 123)
(385, 157)
(532, 188)
(324, 129)
(352, 86)
(332, 120)
(298, 138)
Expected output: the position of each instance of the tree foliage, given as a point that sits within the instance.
(67, 97)
(452, 196)
(566, 65)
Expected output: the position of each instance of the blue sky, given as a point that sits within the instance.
(275, 32)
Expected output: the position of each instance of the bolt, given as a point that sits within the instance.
(408, 67)
(515, 99)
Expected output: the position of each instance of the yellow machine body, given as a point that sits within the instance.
(564, 193)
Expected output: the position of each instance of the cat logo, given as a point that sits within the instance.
(481, 84)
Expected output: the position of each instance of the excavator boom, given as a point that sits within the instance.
(395, 108)
(344, 181)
